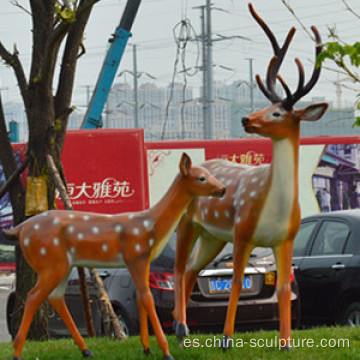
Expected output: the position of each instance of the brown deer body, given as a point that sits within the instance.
(261, 206)
(56, 241)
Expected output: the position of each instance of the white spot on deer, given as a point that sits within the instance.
(72, 250)
(136, 231)
(45, 214)
(216, 214)
(95, 230)
(151, 242)
(36, 227)
(148, 224)
(56, 221)
(137, 247)
(206, 210)
(227, 213)
(254, 180)
(42, 251)
(80, 236)
(26, 242)
(238, 219)
(131, 216)
(56, 241)
(105, 248)
(262, 183)
(228, 182)
(253, 194)
(242, 202)
(86, 217)
(71, 229)
(118, 229)
(71, 216)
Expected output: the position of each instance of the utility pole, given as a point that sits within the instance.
(136, 99)
(205, 102)
(251, 84)
(209, 68)
(206, 42)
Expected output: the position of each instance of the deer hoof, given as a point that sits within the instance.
(87, 353)
(225, 342)
(168, 357)
(287, 348)
(148, 352)
(181, 330)
(16, 358)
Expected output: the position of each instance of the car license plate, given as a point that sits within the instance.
(223, 285)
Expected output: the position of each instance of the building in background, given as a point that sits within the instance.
(176, 112)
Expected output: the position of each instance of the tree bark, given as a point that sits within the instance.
(47, 115)
(28, 278)
(107, 307)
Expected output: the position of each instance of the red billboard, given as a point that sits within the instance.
(105, 170)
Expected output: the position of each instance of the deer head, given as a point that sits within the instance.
(277, 120)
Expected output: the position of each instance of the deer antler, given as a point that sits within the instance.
(275, 63)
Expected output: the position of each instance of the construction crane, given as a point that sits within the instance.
(118, 41)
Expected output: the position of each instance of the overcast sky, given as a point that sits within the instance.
(153, 33)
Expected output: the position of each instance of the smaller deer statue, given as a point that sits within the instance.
(261, 206)
(55, 241)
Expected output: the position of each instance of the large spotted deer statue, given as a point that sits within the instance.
(261, 205)
(56, 241)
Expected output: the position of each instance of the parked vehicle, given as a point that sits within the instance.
(7, 248)
(258, 307)
(327, 268)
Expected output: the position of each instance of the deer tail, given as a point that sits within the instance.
(12, 234)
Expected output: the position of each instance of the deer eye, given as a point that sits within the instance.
(202, 178)
(276, 115)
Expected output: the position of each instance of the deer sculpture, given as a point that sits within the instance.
(55, 241)
(261, 205)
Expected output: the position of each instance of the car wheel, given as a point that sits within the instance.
(352, 315)
(125, 323)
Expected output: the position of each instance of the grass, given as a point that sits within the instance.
(246, 347)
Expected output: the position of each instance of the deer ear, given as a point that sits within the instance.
(185, 164)
(313, 112)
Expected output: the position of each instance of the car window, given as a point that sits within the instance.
(303, 237)
(331, 238)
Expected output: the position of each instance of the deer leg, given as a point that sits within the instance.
(60, 307)
(186, 237)
(242, 252)
(139, 270)
(283, 255)
(144, 327)
(205, 251)
(44, 286)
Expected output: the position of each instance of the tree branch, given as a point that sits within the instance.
(351, 9)
(10, 181)
(16, 3)
(58, 182)
(13, 61)
(291, 10)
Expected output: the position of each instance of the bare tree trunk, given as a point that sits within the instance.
(28, 279)
(106, 305)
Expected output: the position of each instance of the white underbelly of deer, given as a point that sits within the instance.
(273, 224)
(223, 234)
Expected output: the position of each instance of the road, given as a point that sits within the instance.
(5, 287)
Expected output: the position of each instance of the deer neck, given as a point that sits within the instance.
(284, 166)
(282, 197)
(168, 211)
